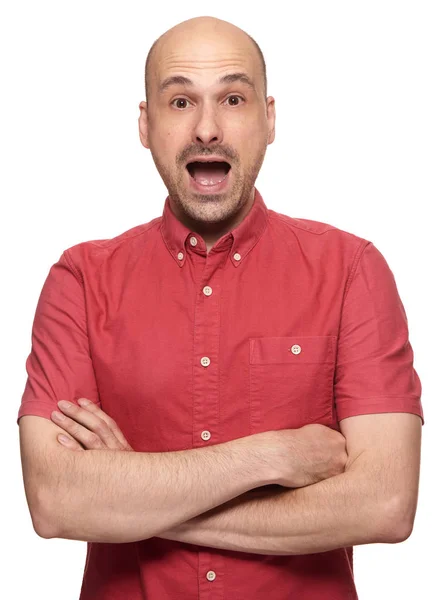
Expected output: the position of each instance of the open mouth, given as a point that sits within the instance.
(208, 173)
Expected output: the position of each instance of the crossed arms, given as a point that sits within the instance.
(374, 500)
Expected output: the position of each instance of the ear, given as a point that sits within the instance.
(143, 124)
(271, 117)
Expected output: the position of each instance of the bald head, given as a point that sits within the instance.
(199, 29)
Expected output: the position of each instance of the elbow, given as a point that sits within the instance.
(43, 529)
(43, 518)
(401, 533)
(397, 524)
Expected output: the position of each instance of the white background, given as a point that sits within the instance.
(357, 89)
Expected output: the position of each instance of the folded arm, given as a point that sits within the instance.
(373, 501)
(117, 496)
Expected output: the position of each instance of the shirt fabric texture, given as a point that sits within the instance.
(286, 321)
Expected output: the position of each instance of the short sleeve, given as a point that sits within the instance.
(59, 365)
(374, 368)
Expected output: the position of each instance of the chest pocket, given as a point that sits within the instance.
(291, 381)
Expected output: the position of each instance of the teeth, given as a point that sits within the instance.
(210, 184)
(207, 182)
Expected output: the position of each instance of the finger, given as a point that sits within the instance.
(88, 439)
(113, 426)
(70, 443)
(82, 426)
(93, 423)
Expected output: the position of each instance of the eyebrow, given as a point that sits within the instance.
(182, 80)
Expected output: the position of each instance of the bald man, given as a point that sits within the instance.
(233, 129)
(222, 401)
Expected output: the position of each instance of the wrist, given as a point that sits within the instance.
(261, 449)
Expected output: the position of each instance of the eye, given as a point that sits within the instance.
(229, 98)
(179, 100)
(184, 100)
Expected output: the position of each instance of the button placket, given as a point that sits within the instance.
(206, 394)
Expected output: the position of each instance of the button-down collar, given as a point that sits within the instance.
(244, 236)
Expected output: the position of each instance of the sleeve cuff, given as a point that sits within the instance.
(386, 404)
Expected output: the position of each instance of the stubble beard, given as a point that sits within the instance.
(212, 208)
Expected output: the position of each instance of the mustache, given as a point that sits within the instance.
(228, 155)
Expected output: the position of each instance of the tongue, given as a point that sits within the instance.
(209, 174)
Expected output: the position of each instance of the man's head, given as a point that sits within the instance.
(196, 115)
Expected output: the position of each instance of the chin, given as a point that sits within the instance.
(212, 209)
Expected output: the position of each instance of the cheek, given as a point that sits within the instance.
(253, 145)
(249, 134)
(259, 131)
(161, 131)
(165, 147)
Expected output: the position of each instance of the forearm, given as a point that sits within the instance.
(105, 496)
(337, 512)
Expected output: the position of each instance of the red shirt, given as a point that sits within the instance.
(285, 322)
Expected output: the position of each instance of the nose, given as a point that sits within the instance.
(207, 129)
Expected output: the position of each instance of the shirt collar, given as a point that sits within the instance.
(238, 242)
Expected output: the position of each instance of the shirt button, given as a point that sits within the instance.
(205, 361)
(207, 290)
(211, 575)
(296, 349)
(193, 241)
(180, 255)
(205, 435)
(237, 256)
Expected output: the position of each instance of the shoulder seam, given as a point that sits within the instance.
(111, 243)
(358, 254)
(134, 235)
(72, 266)
(290, 221)
(77, 274)
(107, 243)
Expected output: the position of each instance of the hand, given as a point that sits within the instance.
(306, 455)
(89, 428)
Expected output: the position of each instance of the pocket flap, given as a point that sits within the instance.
(295, 349)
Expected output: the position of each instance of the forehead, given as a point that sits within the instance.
(206, 58)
